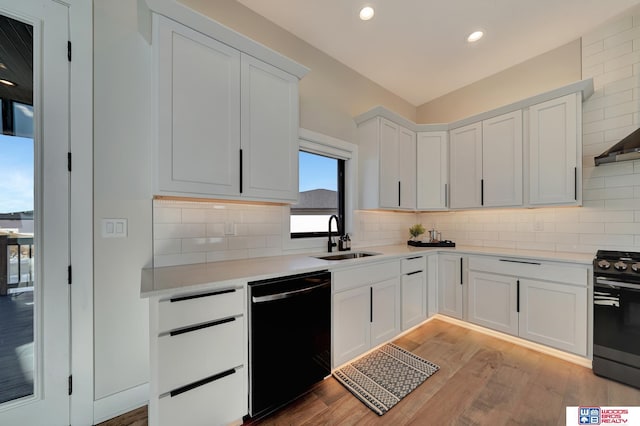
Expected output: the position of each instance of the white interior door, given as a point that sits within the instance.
(35, 337)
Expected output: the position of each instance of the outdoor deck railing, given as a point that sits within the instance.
(16, 262)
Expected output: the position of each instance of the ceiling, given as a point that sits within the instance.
(417, 49)
(16, 60)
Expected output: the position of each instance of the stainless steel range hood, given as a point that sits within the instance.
(627, 149)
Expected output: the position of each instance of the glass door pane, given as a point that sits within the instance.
(17, 252)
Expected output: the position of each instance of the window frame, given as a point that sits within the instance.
(318, 143)
(341, 164)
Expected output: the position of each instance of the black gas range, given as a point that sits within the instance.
(616, 316)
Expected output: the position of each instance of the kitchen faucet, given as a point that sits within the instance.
(331, 244)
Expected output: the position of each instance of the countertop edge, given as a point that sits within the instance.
(206, 276)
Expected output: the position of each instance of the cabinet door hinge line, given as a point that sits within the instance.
(69, 50)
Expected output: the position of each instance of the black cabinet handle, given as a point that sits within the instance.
(461, 271)
(241, 170)
(518, 296)
(575, 183)
(482, 192)
(200, 326)
(202, 382)
(399, 193)
(415, 272)
(197, 296)
(520, 261)
(446, 195)
(371, 304)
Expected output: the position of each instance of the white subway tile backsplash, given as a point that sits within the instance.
(608, 30)
(195, 215)
(167, 215)
(607, 55)
(178, 230)
(608, 124)
(605, 101)
(593, 48)
(622, 228)
(621, 86)
(199, 245)
(172, 246)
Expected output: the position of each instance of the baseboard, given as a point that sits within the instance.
(575, 359)
(120, 403)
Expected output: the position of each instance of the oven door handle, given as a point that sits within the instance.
(616, 284)
(287, 294)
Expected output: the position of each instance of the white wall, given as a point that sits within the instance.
(610, 216)
(122, 189)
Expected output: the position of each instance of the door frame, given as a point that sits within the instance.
(81, 212)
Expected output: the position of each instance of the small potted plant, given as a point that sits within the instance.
(416, 230)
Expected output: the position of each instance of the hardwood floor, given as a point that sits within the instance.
(482, 381)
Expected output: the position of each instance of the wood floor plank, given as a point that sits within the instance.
(482, 381)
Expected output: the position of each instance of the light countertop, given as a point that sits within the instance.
(170, 280)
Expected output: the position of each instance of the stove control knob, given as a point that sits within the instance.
(603, 264)
(636, 267)
(620, 266)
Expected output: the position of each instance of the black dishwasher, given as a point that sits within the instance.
(289, 338)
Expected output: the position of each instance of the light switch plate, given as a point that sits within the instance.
(114, 228)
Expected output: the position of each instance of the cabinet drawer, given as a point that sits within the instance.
(192, 355)
(199, 308)
(221, 401)
(413, 264)
(528, 268)
(366, 274)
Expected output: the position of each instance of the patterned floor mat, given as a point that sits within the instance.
(385, 376)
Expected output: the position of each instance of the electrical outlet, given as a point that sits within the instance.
(114, 228)
(538, 226)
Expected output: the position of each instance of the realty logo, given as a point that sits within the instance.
(589, 415)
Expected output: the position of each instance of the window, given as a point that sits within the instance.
(322, 194)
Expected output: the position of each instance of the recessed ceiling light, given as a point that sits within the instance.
(366, 13)
(7, 82)
(475, 36)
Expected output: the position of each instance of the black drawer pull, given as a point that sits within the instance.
(414, 258)
(197, 296)
(202, 382)
(200, 326)
(520, 261)
(414, 272)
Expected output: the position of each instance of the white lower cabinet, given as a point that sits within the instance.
(451, 285)
(554, 314)
(492, 302)
(542, 302)
(414, 291)
(198, 358)
(366, 309)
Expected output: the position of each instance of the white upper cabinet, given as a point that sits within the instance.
(502, 160)
(432, 170)
(269, 139)
(555, 150)
(486, 163)
(198, 106)
(227, 123)
(387, 165)
(466, 166)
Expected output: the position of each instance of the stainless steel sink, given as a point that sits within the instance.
(345, 256)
